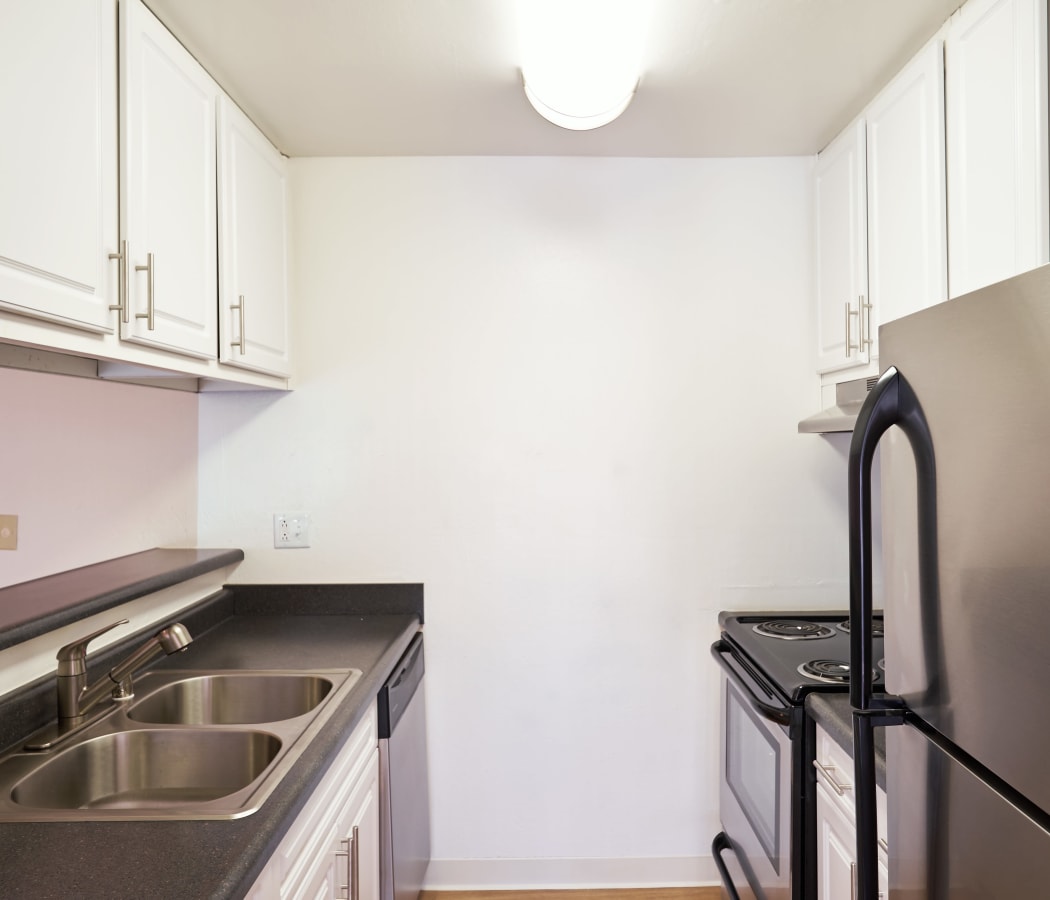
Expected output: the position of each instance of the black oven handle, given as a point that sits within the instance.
(779, 714)
(720, 843)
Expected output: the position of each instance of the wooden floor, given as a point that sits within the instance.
(689, 893)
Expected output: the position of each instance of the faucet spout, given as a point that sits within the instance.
(76, 698)
(173, 639)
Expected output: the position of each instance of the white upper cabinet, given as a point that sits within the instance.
(996, 99)
(841, 243)
(253, 255)
(168, 186)
(58, 161)
(907, 242)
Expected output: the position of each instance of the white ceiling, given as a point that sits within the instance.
(441, 77)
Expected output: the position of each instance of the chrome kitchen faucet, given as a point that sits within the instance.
(76, 698)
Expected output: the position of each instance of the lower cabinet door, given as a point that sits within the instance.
(332, 849)
(359, 839)
(837, 851)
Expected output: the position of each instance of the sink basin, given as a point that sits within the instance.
(232, 699)
(135, 769)
(191, 745)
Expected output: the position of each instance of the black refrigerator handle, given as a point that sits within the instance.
(890, 402)
(880, 411)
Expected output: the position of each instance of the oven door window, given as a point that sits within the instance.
(752, 770)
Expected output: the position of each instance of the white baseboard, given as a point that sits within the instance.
(553, 874)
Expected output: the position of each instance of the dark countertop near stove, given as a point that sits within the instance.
(835, 715)
(289, 626)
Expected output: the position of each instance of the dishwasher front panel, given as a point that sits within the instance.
(404, 793)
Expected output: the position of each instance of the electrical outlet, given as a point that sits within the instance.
(291, 530)
(8, 532)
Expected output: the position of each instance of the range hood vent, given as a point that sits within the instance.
(849, 398)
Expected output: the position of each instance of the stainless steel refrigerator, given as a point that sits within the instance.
(961, 420)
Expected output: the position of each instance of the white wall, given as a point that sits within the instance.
(563, 394)
(93, 470)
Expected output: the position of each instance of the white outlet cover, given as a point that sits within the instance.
(291, 530)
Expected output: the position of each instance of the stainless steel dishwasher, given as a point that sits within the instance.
(404, 795)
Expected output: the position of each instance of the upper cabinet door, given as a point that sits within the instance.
(996, 99)
(168, 196)
(253, 256)
(58, 161)
(842, 255)
(907, 242)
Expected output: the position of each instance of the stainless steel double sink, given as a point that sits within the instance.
(190, 745)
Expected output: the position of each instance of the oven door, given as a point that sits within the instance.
(755, 796)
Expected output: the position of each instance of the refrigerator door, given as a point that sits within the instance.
(982, 847)
(971, 656)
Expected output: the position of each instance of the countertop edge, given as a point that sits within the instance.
(33, 608)
(832, 711)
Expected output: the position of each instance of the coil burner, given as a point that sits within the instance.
(831, 671)
(793, 630)
(877, 629)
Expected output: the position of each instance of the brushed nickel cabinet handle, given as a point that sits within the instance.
(838, 787)
(847, 331)
(122, 282)
(865, 337)
(239, 305)
(149, 270)
(850, 313)
(345, 842)
(355, 865)
(852, 881)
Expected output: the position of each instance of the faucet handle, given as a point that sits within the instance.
(72, 658)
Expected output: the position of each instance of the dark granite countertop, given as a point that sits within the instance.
(245, 627)
(835, 715)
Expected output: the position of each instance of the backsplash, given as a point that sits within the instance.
(93, 470)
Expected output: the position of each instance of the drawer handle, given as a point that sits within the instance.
(838, 787)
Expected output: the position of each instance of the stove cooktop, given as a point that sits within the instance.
(799, 652)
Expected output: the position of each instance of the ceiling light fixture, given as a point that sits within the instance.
(581, 59)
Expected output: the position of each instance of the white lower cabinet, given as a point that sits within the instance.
(332, 849)
(837, 824)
